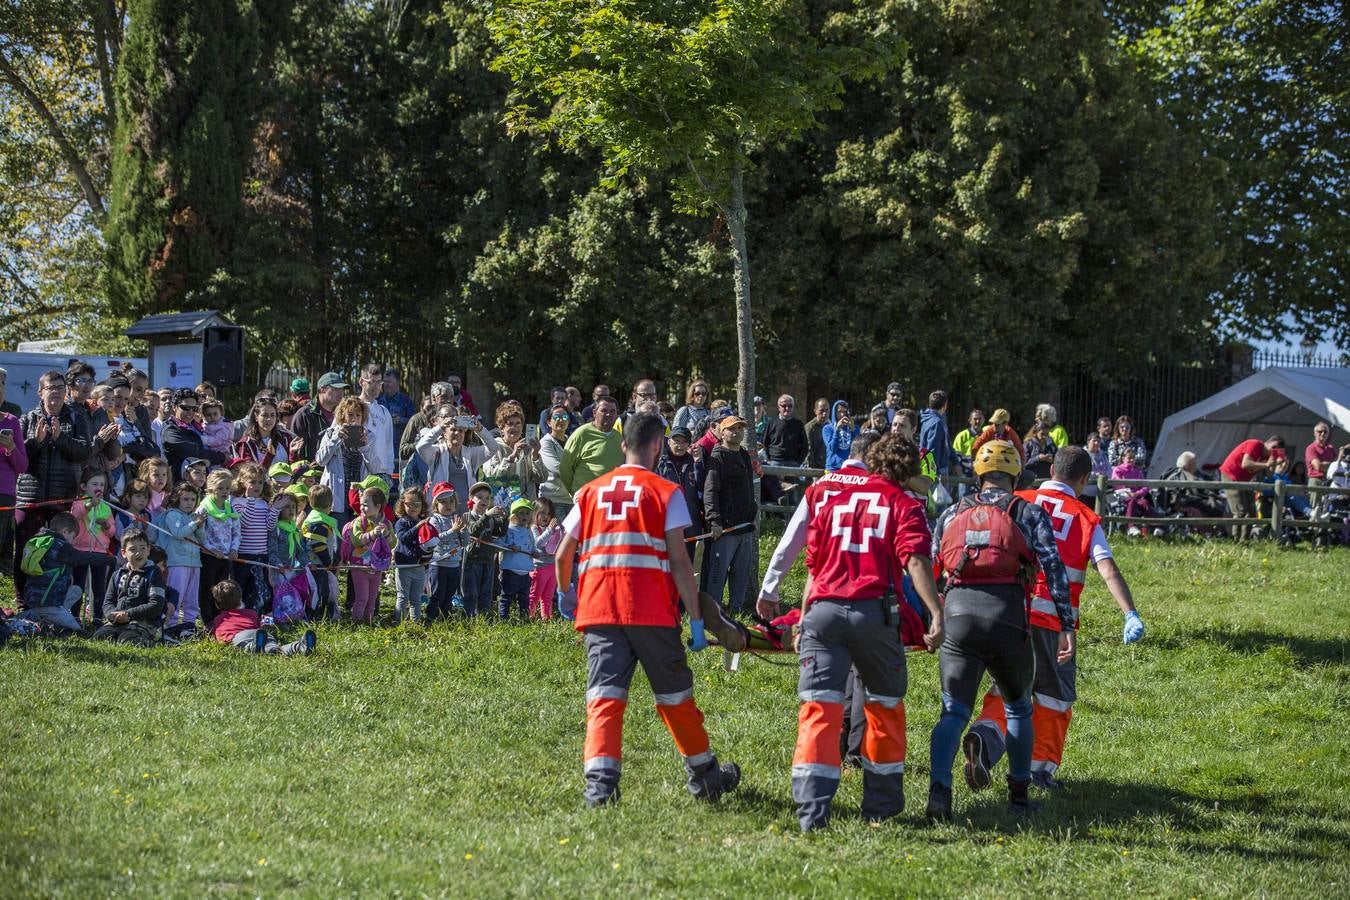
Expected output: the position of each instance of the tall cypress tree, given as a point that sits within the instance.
(186, 88)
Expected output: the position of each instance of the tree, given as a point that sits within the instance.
(186, 95)
(664, 85)
(1262, 84)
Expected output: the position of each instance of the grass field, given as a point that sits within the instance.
(1209, 760)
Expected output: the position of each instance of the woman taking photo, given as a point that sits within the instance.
(517, 456)
(447, 457)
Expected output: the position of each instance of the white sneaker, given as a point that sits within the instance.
(1134, 531)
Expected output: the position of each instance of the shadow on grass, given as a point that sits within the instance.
(1091, 807)
(1307, 651)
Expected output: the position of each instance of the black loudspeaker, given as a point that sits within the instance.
(223, 355)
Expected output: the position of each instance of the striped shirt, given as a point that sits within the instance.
(256, 521)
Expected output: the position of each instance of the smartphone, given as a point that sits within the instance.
(532, 432)
(352, 433)
(465, 422)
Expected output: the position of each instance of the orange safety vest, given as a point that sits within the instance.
(1074, 523)
(624, 575)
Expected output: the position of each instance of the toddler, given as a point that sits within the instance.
(292, 598)
(257, 521)
(1138, 500)
(184, 527)
(195, 472)
(217, 431)
(517, 562)
(134, 602)
(483, 522)
(220, 537)
(241, 627)
(443, 535)
(134, 501)
(321, 533)
(547, 534)
(365, 545)
(155, 472)
(96, 531)
(411, 575)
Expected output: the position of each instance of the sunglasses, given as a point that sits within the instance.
(561, 418)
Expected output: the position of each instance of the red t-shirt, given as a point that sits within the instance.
(863, 530)
(1232, 466)
(229, 623)
(1325, 456)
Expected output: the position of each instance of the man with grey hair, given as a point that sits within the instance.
(442, 392)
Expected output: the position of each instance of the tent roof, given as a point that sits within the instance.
(1285, 397)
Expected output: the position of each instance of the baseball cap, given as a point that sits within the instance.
(440, 489)
(759, 399)
(520, 504)
(189, 463)
(280, 471)
(331, 379)
(373, 481)
(681, 432)
(300, 385)
(479, 485)
(298, 490)
(731, 421)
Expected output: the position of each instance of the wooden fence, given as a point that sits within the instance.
(1279, 519)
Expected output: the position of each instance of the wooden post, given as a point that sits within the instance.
(1101, 495)
(1277, 514)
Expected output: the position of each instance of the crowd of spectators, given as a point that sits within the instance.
(462, 510)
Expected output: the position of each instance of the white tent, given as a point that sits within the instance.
(1286, 401)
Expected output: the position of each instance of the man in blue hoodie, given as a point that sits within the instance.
(933, 434)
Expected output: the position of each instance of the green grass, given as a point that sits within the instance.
(1209, 760)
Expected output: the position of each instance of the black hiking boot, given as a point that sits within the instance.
(1018, 801)
(939, 803)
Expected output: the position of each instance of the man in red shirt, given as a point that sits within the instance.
(1247, 461)
(625, 524)
(864, 532)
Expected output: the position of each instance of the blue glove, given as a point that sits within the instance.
(567, 605)
(697, 639)
(1134, 627)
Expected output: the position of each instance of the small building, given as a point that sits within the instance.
(187, 348)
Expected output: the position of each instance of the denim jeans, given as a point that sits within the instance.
(730, 560)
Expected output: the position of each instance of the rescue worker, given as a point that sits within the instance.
(1080, 540)
(863, 532)
(988, 544)
(631, 585)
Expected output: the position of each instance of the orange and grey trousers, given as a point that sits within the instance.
(613, 653)
(1054, 691)
(837, 634)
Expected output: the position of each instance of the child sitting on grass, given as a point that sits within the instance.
(241, 627)
(517, 562)
(49, 560)
(134, 604)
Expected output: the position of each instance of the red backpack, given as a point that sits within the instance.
(981, 543)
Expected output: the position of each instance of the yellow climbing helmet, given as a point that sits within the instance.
(998, 456)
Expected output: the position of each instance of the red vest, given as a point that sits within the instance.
(1074, 523)
(861, 531)
(624, 575)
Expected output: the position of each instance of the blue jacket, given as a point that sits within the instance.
(180, 553)
(838, 441)
(933, 436)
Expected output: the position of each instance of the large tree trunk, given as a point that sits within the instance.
(745, 335)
